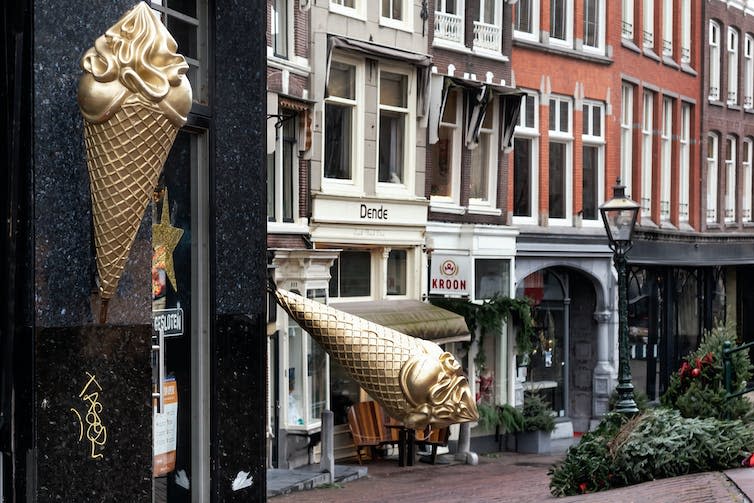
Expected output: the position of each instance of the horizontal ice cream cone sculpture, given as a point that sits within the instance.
(134, 97)
(413, 379)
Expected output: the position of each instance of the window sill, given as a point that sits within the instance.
(441, 43)
(452, 208)
(484, 210)
(573, 53)
(715, 103)
(629, 44)
(665, 224)
(713, 226)
(687, 69)
(650, 54)
(394, 24)
(488, 54)
(287, 228)
(734, 106)
(668, 61)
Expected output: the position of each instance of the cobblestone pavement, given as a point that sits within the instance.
(505, 477)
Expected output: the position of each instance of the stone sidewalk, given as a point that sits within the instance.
(514, 478)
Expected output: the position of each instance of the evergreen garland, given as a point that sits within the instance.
(489, 316)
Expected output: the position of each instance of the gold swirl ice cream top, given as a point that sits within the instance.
(135, 59)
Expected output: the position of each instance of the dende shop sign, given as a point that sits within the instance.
(450, 275)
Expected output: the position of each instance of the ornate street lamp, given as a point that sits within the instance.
(619, 217)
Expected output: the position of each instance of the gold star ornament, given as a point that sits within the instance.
(166, 236)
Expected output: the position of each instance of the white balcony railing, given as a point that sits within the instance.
(487, 36)
(448, 27)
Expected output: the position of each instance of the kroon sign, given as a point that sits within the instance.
(450, 275)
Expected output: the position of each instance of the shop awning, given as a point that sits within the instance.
(377, 51)
(412, 317)
(478, 94)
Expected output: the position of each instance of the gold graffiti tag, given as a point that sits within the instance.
(96, 432)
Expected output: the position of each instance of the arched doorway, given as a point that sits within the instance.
(561, 366)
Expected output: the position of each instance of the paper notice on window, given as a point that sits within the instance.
(165, 429)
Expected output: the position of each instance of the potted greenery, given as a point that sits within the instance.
(538, 425)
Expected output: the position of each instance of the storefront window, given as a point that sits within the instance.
(295, 415)
(491, 277)
(350, 275)
(396, 272)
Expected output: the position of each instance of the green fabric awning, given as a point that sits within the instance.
(412, 317)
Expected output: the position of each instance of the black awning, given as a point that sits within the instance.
(478, 95)
(421, 61)
(412, 317)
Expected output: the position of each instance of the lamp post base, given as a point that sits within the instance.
(626, 403)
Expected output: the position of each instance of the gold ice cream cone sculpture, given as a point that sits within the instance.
(413, 379)
(134, 96)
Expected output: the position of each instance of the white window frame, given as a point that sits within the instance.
(530, 132)
(404, 24)
(409, 135)
(568, 21)
(627, 20)
(667, 28)
(732, 46)
(491, 135)
(684, 154)
(746, 169)
(686, 30)
(666, 161)
(566, 138)
(358, 10)
(648, 25)
(748, 72)
(275, 28)
(592, 138)
(375, 273)
(714, 61)
(354, 185)
(730, 179)
(600, 21)
(534, 16)
(488, 37)
(280, 144)
(453, 201)
(627, 136)
(443, 20)
(647, 118)
(713, 141)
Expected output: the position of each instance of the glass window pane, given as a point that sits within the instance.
(396, 272)
(187, 7)
(342, 81)
(449, 113)
(491, 277)
(590, 182)
(442, 159)
(392, 125)
(597, 121)
(185, 35)
(393, 89)
(316, 363)
(585, 119)
(523, 16)
(289, 168)
(522, 177)
(295, 374)
(557, 180)
(338, 130)
(480, 166)
(355, 273)
(564, 116)
(529, 101)
(553, 114)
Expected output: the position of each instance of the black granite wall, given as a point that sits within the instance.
(68, 343)
(240, 235)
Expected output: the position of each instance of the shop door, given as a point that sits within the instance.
(180, 311)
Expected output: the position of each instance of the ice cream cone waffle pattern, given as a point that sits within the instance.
(134, 96)
(413, 379)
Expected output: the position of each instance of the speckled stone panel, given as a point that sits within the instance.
(94, 419)
(64, 256)
(240, 159)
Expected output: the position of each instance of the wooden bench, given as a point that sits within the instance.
(371, 428)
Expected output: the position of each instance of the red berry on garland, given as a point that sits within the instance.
(696, 373)
(582, 487)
